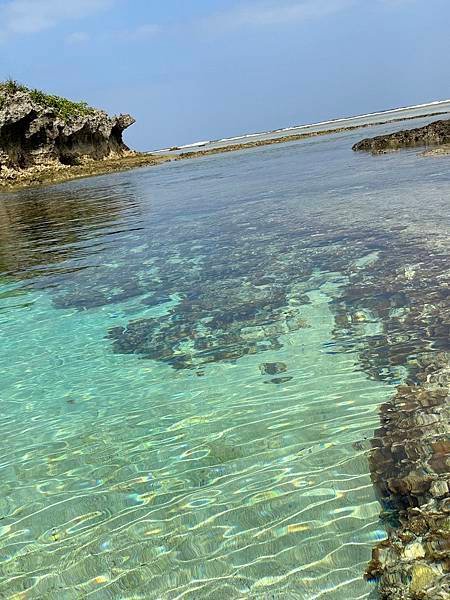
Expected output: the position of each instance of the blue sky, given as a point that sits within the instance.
(190, 70)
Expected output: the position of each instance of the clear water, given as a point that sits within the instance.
(181, 417)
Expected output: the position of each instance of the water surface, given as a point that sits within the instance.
(191, 379)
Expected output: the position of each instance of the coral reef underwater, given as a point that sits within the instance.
(223, 289)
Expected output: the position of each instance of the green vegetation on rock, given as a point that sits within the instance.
(63, 108)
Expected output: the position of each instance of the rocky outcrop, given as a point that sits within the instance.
(39, 130)
(437, 133)
(410, 469)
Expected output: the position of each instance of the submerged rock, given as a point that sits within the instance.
(273, 368)
(410, 469)
(436, 133)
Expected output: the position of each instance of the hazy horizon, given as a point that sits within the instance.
(191, 71)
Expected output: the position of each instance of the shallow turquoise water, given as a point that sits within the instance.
(182, 416)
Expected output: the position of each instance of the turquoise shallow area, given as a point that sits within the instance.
(179, 418)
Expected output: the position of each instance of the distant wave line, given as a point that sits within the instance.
(318, 124)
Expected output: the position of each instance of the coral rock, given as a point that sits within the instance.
(436, 133)
(37, 130)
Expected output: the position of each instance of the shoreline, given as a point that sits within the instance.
(54, 174)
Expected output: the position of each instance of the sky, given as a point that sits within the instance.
(191, 70)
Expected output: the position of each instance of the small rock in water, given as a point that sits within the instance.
(439, 489)
(272, 368)
(413, 551)
(422, 577)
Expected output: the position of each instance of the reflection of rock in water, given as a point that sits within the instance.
(47, 230)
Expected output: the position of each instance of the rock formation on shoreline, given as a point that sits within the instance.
(434, 134)
(39, 130)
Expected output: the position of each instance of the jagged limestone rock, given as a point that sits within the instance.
(38, 130)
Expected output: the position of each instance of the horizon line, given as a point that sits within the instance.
(292, 127)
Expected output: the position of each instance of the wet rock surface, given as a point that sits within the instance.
(410, 469)
(437, 133)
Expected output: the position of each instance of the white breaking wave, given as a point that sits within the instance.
(374, 114)
(340, 120)
(195, 144)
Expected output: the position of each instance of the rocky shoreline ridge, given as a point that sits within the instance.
(434, 134)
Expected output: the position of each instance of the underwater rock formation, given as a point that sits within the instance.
(236, 303)
(410, 470)
(38, 129)
(399, 308)
(436, 133)
(202, 310)
(202, 337)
